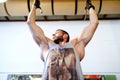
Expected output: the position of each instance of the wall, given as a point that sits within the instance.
(20, 54)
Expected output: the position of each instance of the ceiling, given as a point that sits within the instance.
(17, 10)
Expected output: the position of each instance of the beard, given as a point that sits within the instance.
(58, 40)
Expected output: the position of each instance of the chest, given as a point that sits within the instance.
(62, 57)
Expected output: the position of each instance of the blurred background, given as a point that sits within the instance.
(19, 54)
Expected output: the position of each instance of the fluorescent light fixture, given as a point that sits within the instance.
(2, 1)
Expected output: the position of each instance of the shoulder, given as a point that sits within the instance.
(45, 45)
(74, 41)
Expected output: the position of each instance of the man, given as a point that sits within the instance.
(61, 56)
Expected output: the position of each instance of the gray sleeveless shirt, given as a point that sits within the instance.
(62, 63)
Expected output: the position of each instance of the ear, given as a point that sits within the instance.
(65, 36)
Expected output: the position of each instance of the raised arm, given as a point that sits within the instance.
(86, 35)
(90, 29)
(36, 30)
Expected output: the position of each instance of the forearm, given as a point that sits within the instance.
(32, 15)
(92, 16)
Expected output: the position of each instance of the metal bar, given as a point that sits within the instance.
(76, 6)
(52, 4)
(100, 7)
(6, 9)
(28, 5)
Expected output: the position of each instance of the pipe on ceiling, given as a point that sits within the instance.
(58, 7)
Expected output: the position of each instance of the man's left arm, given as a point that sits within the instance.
(90, 29)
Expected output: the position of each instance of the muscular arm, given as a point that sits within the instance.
(37, 32)
(88, 32)
(83, 39)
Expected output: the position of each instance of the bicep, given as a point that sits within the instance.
(86, 35)
(37, 33)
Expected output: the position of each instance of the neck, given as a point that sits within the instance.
(62, 43)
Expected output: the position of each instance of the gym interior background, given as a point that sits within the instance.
(19, 54)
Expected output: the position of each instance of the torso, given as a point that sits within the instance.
(61, 63)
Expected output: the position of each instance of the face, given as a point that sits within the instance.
(58, 36)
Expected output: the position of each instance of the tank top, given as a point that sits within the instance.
(62, 63)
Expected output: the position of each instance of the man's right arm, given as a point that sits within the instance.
(36, 30)
(37, 33)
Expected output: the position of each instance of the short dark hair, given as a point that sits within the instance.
(65, 32)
